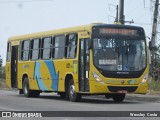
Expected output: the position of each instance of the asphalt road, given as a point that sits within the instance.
(12, 101)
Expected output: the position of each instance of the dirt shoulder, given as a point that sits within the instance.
(3, 85)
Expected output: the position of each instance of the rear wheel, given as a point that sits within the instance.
(118, 97)
(21, 91)
(62, 94)
(27, 92)
(73, 96)
(108, 96)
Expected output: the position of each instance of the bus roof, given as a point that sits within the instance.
(66, 30)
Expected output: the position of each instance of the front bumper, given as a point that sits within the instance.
(97, 88)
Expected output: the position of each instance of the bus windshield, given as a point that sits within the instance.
(119, 54)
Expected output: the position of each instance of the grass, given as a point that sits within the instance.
(154, 85)
(2, 84)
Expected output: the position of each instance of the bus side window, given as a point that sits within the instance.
(71, 46)
(59, 46)
(35, 49)
(46, 48)
(8, 52)
(25, 50)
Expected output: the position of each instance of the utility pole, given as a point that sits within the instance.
(116, 20)
(121, 16)
(121, 12)
(154, 34)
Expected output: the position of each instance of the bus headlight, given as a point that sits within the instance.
(97, 78)
(144, 80)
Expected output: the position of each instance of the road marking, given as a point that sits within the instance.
(89, 106)
(5, 108)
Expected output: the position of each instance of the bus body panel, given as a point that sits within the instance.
(49, 75)
(8, 74)
(45, 75)
(26, 68)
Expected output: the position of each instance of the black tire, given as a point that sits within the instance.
(26, 90)
(62, 94)
(35, 93)
(73, 96)
(108, 96)
(21, 91)
(118, 97)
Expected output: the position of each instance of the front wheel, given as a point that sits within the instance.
(27, 92)
(62, 94)
(73, 96)
(118, 97)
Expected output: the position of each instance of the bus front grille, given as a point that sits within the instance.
(119, 88)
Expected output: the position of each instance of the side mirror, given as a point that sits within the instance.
(150, 45)
(90, 44)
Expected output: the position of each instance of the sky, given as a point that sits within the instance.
(19, 17)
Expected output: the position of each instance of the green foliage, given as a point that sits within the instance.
(0, 62)
(3, 84)
(2, 72)
(1, 81)
(154, 85)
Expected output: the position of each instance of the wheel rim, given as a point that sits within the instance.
(26, 89)
(72, 91)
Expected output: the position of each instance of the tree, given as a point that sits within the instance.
(157, 63)
(1, 67)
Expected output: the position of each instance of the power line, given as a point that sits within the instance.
(141, 16)
(141, 23)
(15, 1)
(134, 9)
(145, 6)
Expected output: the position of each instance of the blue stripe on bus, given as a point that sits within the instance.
(38, 77)
(54, 75)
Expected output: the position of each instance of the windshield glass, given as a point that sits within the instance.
(119, 54)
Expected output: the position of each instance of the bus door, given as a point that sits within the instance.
(14, 61)
(84, 66)
(8, 65)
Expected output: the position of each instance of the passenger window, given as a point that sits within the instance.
(71, 46)
(59, 46)
(35, 49)
(25, 50)
(46, 48)
(8, 52)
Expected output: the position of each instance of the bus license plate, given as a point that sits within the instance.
(122, 91)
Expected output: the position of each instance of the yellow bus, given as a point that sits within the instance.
(94, 59)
